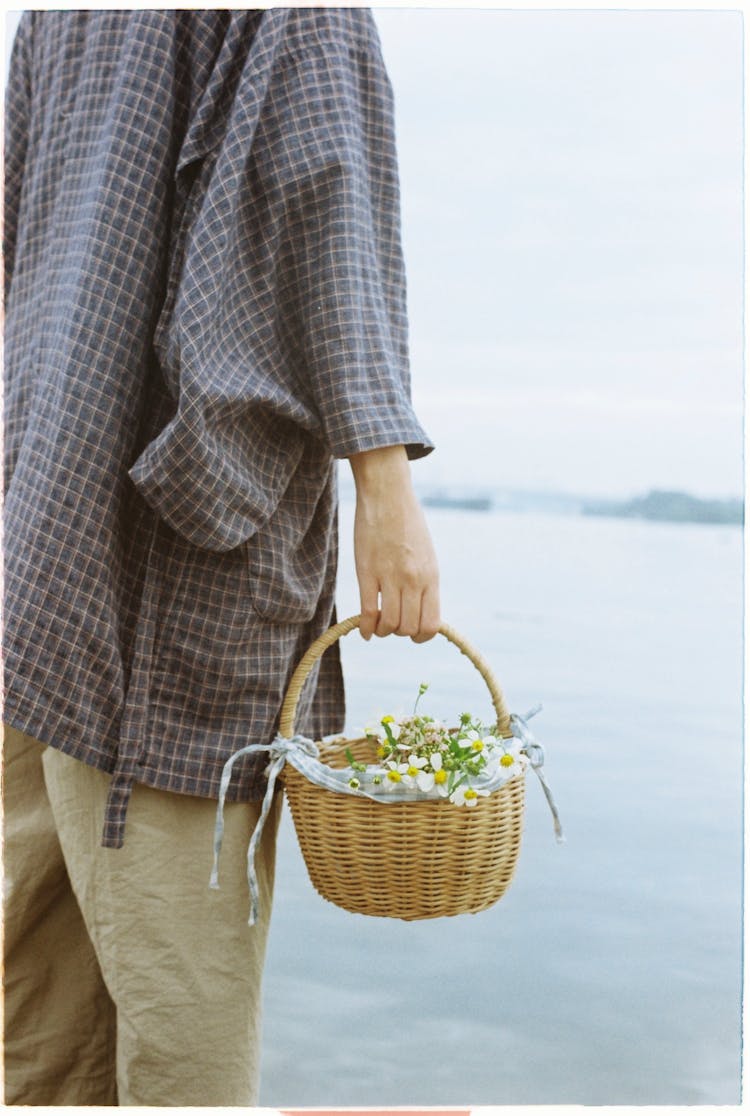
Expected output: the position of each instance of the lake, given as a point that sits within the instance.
(610, 972)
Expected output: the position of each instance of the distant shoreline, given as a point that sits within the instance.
(658, 505)
(670, 507)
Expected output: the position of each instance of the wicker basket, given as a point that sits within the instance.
(408, 860)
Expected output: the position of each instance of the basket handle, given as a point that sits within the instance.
(323, 642)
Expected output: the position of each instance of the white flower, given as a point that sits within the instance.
(393, 725)
(394, 774)
(478, 742)
(467, 796)
(437, 777)
(376, 727)
(413, 768)
(511, 761)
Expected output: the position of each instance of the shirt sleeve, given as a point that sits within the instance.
(340, 260)
(289, 318)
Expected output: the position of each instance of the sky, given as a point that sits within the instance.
(572, 221)
(571, 194)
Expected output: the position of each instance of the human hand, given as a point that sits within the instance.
(394, 556)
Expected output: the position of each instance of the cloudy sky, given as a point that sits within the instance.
(572, 201)
(572, 218)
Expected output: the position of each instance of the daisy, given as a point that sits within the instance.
(511, 761)
(394, 774)
(378, 728)
(413, 768)
(479, 743)
(467, 796)
(436, 777)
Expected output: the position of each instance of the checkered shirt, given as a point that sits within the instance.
(205, 307)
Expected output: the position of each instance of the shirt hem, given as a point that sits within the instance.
(36, 723)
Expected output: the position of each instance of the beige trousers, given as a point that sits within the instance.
(127, 980)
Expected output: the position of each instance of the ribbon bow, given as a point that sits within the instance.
(535, 754)
(279, 751)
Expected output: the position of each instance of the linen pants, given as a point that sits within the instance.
(127, 980)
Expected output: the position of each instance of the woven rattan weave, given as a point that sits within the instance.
(407, 860)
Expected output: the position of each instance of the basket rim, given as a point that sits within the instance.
(344, 627)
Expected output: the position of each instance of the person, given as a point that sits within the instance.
(205, 309)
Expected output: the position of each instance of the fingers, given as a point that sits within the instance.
(429, 622)
(380, 611)
(390, 612)
(404, 612)
(410, 611)
(369, 610)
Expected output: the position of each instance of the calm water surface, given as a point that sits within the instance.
(610, 972)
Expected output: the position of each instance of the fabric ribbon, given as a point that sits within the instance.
(279, 752)
(303, 754)
(535, 754)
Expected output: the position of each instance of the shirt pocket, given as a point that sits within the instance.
(291, 562)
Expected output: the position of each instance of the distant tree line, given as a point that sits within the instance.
(676, 507)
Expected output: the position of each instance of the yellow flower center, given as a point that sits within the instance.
(412, 770)
(394, 776)
(506, 760)
(477, 745)
(469, 793)
(380, 751)
(441, 776)
(387, 720)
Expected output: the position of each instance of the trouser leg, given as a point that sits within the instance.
(180, 962)
(59, 1025)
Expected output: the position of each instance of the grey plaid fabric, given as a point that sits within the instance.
(205, 306)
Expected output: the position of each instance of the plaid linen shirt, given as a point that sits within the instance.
(205, 306)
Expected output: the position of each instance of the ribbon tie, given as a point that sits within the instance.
(534, 751)
(278, 752)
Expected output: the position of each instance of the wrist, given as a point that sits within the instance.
(377, 471)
